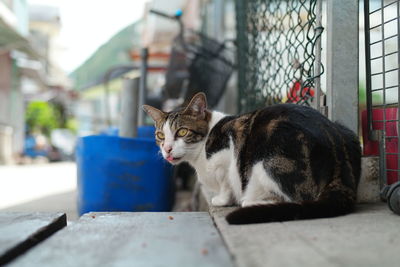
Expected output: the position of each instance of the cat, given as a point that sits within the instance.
(283, 162)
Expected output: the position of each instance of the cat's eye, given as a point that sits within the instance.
(160, 135)
(182, 132)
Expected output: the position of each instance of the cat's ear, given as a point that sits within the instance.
(154, 113)
(197, 106)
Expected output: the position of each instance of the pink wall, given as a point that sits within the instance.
(5, 86)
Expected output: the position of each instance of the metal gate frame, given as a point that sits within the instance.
(380, 83)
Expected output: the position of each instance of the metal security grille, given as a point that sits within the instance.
(279, 48)
(382, 36)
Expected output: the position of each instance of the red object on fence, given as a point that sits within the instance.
(371, 148)
(297, 93)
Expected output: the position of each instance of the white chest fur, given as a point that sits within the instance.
(219, 172)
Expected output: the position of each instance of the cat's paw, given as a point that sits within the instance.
(220, 200)
(247, 203)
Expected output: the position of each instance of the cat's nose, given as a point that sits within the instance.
(167, 148)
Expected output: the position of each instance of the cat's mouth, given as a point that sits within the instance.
(172, 159)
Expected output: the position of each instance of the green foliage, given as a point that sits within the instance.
(72, 124)
(362, 95)
(41, 117)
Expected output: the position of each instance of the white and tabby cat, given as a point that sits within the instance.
(280, 163)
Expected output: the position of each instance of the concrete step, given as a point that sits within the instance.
(368, 237)
(133, 239)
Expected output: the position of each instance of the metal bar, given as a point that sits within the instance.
(389, 87)
(398, 88)
(383, 24)
(390, 20)
(107, 115)
(386, 120)
(384, 72)
(129, 110)
(106, 80)
(162, 14)
(389, 54)
(376, 10)
(241, 8)
(342, 62)
(317, 68)
(144, 54)
(368, 67)
(382, 159)
(376, 26)
(382, 141)
(384, 39)
(382, 105)
(380, 89)
(382, 7)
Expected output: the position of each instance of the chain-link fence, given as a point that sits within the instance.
(279, 51)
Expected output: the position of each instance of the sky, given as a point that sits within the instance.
(87, 24)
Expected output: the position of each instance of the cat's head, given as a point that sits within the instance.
(180, 134)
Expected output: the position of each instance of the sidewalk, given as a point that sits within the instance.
(49, 187)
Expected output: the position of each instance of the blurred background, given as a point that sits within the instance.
(61, 63)
(66, 67)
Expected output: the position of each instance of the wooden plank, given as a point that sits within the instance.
(19, 231)
(133, 239)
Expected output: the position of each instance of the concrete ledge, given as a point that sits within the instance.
(368, 237)
(133, 239)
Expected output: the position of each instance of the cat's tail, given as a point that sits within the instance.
(331, 203)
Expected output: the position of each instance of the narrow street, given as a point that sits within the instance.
(47, 187)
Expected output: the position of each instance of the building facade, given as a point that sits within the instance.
(13, 45)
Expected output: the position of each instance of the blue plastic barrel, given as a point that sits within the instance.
(146, 132)
(143, 131)
(122, 174)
